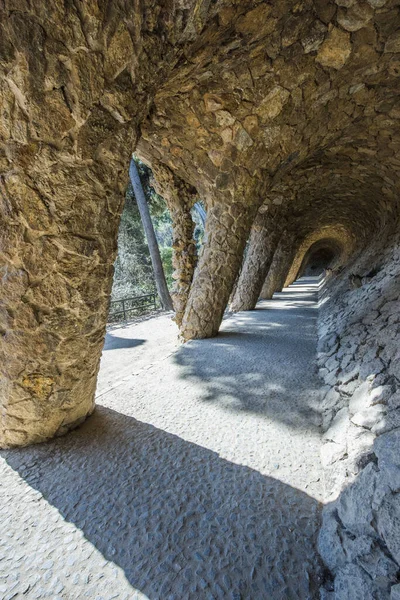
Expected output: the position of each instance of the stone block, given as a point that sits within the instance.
(359, 442)
(388, 524)
(328, 343)
(335, 50)
(337, 432)
(379, 566)
(329, 539)
(331, 399)
(355, 17)
(332, 378)
(395, 592)
(388, 422)
(394, 400)
(353, 583)
(350, 386)
(359, 400)
(387, 450)
(331, 453)
(369, 416)
(371, 367)
(355, 503)
(332, 364)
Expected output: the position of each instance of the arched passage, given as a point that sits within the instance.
(337, 239)
(318, 261)
(252, 104)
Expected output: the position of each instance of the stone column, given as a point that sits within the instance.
(69, 122)
(180, 198)
(292, 276)
(227, 228)
(263, 241)
(59, 231)
(280, 266)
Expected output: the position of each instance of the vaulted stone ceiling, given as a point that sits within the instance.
(265, 90)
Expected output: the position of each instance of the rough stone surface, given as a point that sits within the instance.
(395, 592)
(280, 265)
(244, 105)
(180, 198)
(389, 524)
(336, 48)
(77, 80)
(227, 229)
(352, 582)
(359, 340)
(262, 244)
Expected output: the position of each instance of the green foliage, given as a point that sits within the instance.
(133, 273)
(166, 257)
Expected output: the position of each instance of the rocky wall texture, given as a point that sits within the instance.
(359, 359)
(180, 198)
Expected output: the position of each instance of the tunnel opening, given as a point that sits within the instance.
(318, 262)
(322, 257)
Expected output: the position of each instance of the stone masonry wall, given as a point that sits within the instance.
(359, 359)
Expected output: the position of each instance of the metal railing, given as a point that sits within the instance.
(130, 306)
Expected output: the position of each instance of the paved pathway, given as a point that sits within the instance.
(198, 476)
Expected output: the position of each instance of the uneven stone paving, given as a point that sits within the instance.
(198, 478)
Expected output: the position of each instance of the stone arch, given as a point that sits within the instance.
(76, 83)
(319, 258)
(336, 237)
(247, 103)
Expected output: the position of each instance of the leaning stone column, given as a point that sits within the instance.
(180, 198)
(280, 266)
(70, 119)
(263, 241)
(184, 258)
(59, 230)
(227, 228)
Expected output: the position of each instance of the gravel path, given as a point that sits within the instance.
(198, 476)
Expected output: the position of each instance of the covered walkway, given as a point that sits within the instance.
(197, 477)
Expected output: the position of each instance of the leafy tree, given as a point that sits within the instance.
(158, 270)
(133, 275)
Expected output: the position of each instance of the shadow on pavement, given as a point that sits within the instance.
(113, 342)
(182, 522)
(263, 361)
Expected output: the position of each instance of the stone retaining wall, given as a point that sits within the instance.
(359, 360)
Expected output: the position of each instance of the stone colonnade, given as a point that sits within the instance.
(235, 102)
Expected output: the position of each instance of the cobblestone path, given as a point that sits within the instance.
(198, 476)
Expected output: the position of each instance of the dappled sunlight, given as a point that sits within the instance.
(280, 383)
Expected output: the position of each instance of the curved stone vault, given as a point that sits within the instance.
(283, 117)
